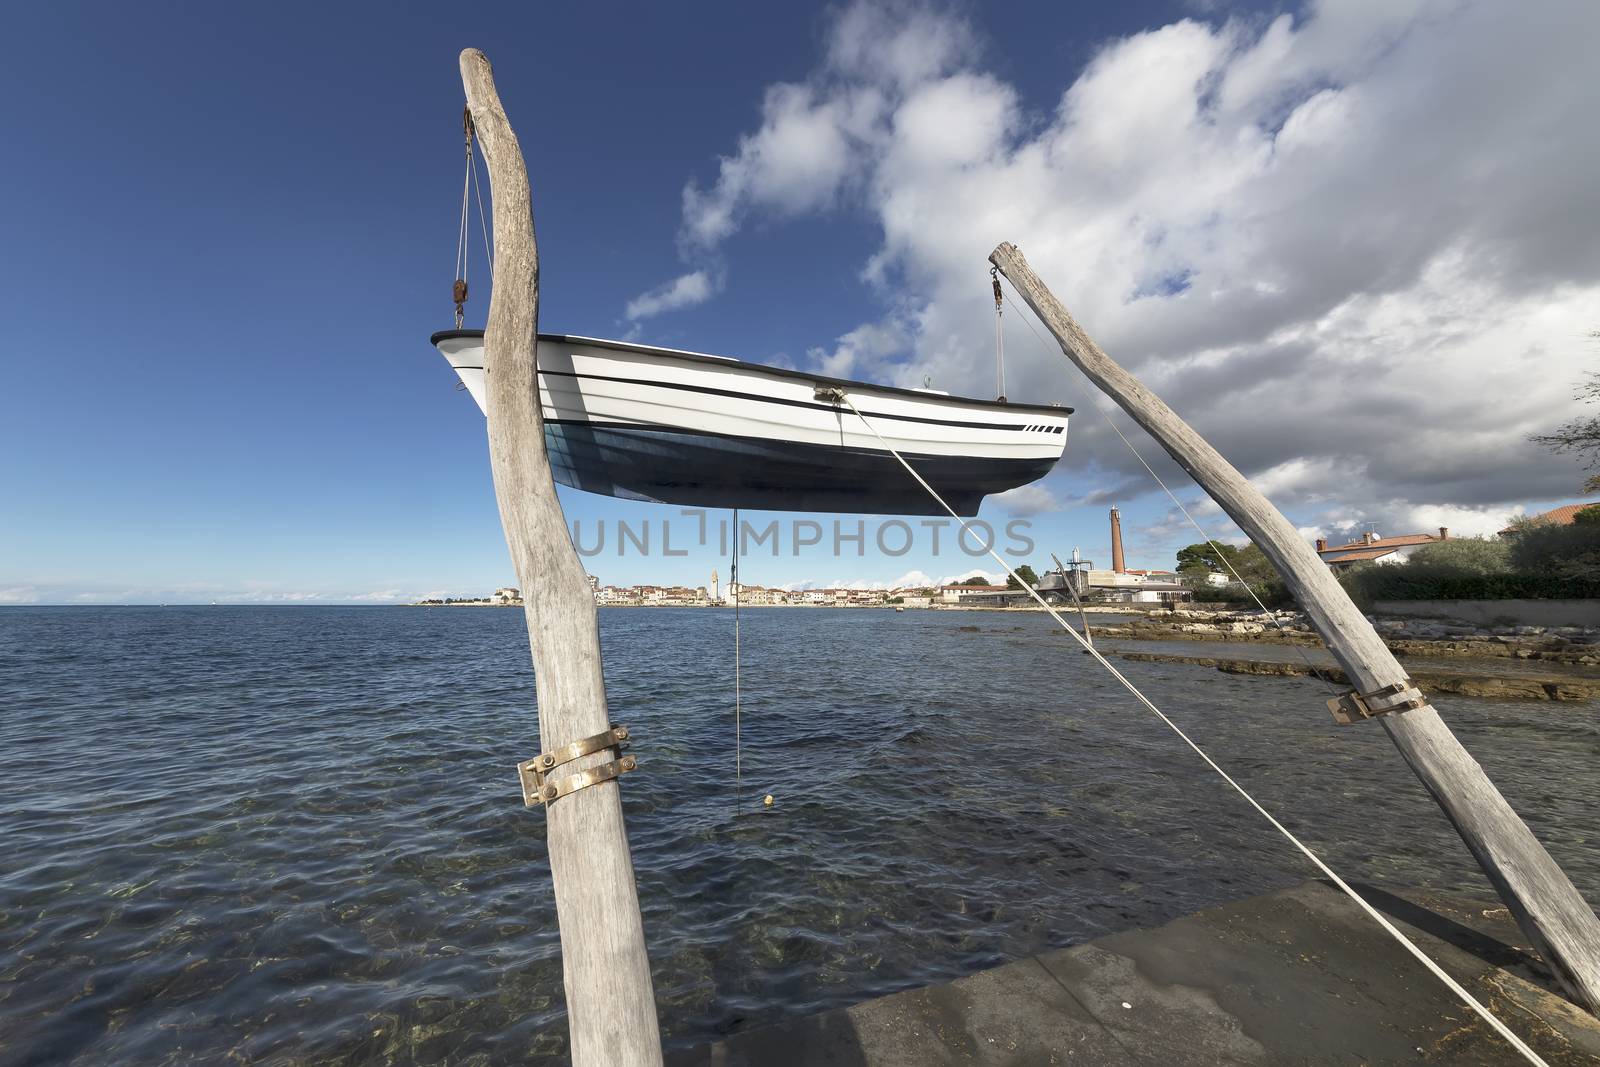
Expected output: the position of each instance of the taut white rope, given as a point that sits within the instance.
(1248, 588)
(1438, 972)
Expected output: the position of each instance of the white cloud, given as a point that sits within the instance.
(249, 592)
(897, 43)
(795, 163)
(1301, 477)
(914, 579)
(683, 291)
(856, 583)
(1461, 521)
(799, 587)
(865, 345)
(817, 138)
(1359, 248)
(1027, 500)
(993, 577)
(263, 596)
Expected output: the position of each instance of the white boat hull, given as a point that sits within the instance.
(680, 427)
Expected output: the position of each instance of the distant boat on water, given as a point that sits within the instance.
(644, 423)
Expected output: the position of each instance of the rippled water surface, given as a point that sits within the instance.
(293, 835)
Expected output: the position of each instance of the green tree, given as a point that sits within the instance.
(1581, 436)
(1253, 566)
(1024, 572)
(1589, 516)
(1543, 548)
(1210, 557)
(976, 579)
(1464, 555)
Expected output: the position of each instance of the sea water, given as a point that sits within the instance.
(295, 834)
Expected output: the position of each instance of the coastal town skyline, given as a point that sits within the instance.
(1151, 547)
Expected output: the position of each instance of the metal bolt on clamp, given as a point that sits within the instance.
(534, 773)
(1356, 707)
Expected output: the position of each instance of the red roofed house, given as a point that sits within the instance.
(1374, 549)
(1562, 516)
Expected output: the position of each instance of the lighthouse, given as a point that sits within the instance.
(1117, 566)
(714, 597)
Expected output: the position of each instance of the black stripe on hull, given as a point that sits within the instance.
(710, 471)
(725, 363)
(759, 398)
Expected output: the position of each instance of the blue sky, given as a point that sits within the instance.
(230, 233)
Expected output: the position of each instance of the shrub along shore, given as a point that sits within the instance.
(1531, 560)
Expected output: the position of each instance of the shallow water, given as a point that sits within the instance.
(294, 834)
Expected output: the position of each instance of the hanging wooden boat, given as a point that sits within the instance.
(645, 423)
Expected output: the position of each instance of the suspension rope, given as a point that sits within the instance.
(461, 228)
(1216, 549)
(1438, 972)
(483, 218)
(999, 337)
(463, 251)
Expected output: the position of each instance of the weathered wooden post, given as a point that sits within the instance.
(611, 1013)
(1550, 910)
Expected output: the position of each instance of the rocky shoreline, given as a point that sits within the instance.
(1572, 652)
(1507, 687)
(1572, 645)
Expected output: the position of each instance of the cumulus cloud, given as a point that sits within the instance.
(992, 577)
(910, 580)
(1027, 500)
(686, 290)
(817, 139)
(1460, 521)
(866, 345)
(1358, 248)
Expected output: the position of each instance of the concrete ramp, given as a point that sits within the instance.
(1297, 976)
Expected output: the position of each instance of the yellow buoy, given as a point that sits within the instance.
(767, 800)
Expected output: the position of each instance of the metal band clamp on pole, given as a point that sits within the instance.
(534, 773)
(1351, 708)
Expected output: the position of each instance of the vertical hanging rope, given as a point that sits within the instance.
(733, 580)
(999, 337)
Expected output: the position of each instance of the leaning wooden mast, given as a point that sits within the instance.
(611, 1012)
(1551, 912)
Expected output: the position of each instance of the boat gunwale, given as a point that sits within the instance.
(757, 398)
(777, 372)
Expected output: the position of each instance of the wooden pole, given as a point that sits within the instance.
(611, 1011)
(1550, 910)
